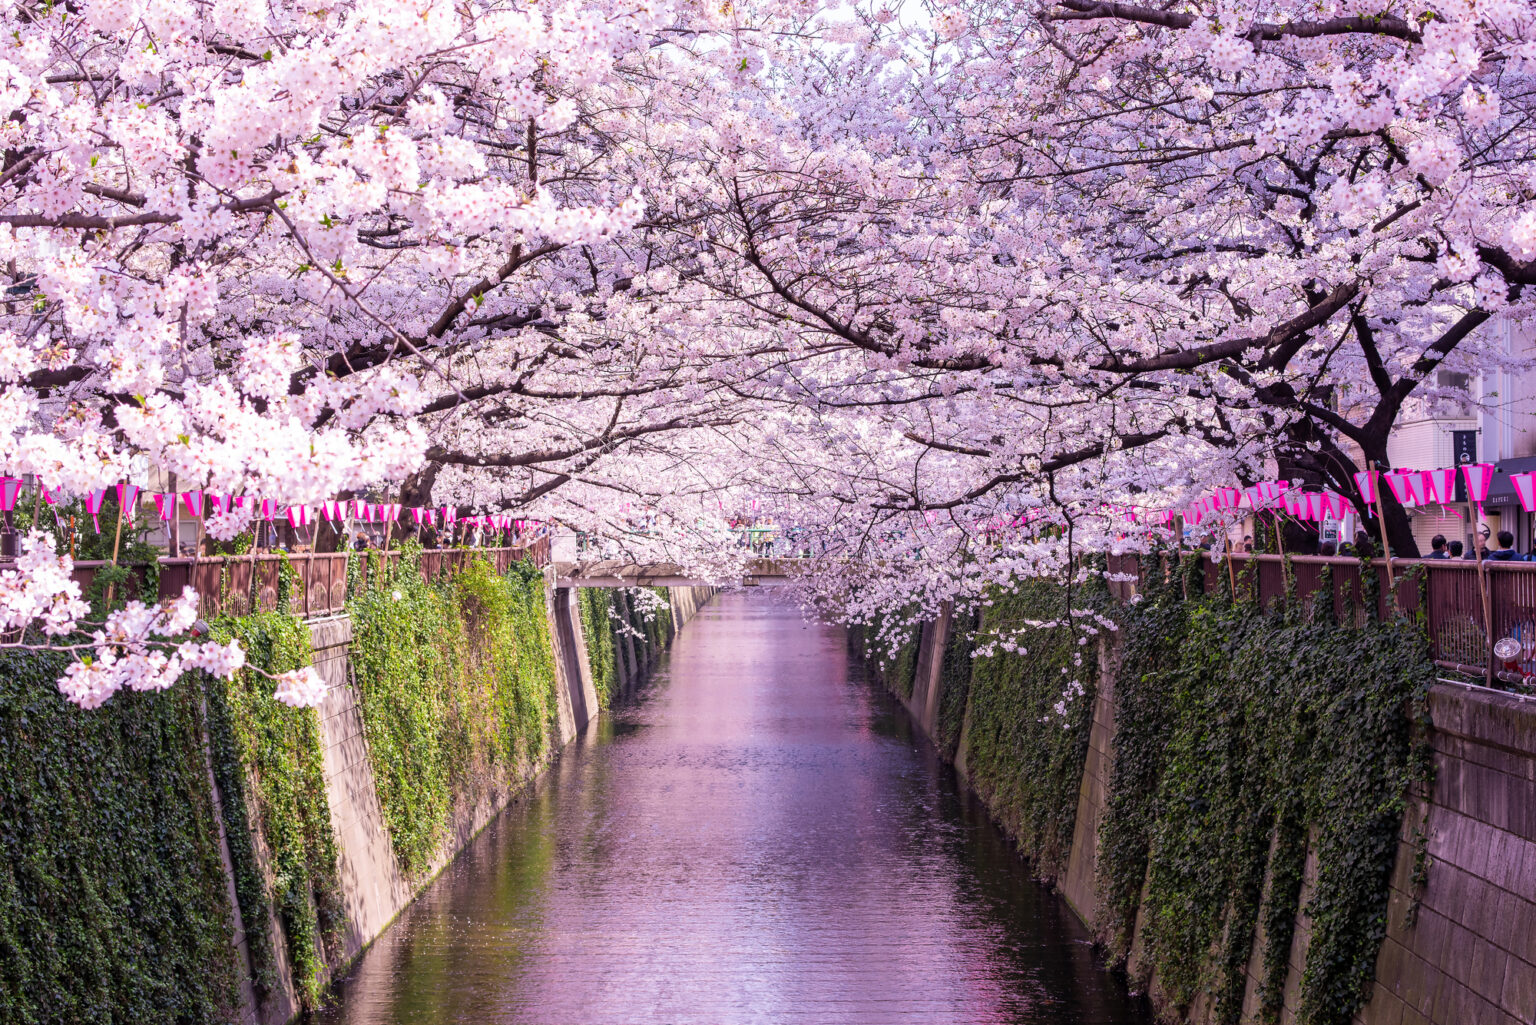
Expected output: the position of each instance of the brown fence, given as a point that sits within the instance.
(239, 584)
(1449, 593)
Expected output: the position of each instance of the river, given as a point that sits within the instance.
(760, 837)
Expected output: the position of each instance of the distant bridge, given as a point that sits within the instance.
(619, 573)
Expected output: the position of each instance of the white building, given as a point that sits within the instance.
(1494, 423)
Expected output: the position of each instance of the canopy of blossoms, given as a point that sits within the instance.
(896, 275)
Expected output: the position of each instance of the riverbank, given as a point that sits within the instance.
(207, 855)
(760, 837)
(1263, 818)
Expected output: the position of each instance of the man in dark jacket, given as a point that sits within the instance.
(1437, 548)
(1506, 550)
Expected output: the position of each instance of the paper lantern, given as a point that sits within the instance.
(1365, 481)
(94, 501)
(1478, 476)
(1442, 484)
(1525, 489)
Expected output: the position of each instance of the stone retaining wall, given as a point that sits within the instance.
(374, 890)
(1466, 955)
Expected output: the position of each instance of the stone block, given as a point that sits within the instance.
(1488, 967)
(1384, 1007)
(1448, 782)
(1514, 917)
(1519, 993)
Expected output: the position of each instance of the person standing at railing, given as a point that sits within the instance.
(1479, 544)
(1437, 548)
(1506, 550)
(1455, 548)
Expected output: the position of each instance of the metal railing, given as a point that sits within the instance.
(1448, 592)
(241, 584)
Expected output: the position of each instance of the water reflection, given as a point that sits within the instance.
(759, 839)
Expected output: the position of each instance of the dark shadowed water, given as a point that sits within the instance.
(760, 838)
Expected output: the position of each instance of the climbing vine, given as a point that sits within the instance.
(596, 604)
(1147, 657)
(113, 905)
(1245, 741)
(889, 646)
(456, 690)
(267, 760)
(1028, 734)
(1242, 739)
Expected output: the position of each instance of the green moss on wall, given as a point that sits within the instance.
(456, 689)
(113, 901)
(955, 681)
(1239, 736)
(1242, 740)
(1030, 709)
(268, 764)
(889, 646)
(596, 604)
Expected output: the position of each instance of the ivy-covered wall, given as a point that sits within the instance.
(1242, 741)
(612, 618)
(456, 687)
(114, 894)
(113, 902)
(1246, 740)
(266, 760)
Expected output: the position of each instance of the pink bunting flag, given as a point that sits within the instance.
(1525, 489)
(1442, 484)
(333, 511)
(1335, 504)
(450, 515)
(1479, 476)
(1365, 481)
(93, 503)
(298, 516)
(10, 488)
(269, 509)
(192, 501)
(1315, 506)
(165, 506)
(127, 499)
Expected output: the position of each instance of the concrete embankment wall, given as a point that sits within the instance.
(374, 889)
(1460, 937)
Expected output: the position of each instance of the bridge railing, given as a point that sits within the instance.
(1449, 593)
(241, 584)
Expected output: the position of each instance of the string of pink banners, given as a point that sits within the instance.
(1411, 488)
(195, 503)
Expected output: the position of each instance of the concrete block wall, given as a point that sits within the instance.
(1468, 957)
(1467, 953)
(374, 890)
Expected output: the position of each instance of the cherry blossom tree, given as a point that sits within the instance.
(947, 289)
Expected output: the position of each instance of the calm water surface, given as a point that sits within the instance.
(760, 838)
